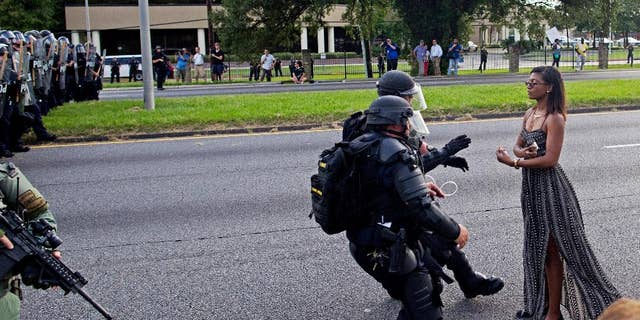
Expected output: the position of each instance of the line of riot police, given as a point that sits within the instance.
(38, 73)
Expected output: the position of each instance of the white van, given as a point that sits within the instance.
(124, 66)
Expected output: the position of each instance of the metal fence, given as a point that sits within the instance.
(353, 68)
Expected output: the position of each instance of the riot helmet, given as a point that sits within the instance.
(398, 83)
(63, 40)
(80, 49)
(20, 38)
(46, 33)
(4, 40)
(34, 33)
(4, 49)
(387, 110)
(8, 34)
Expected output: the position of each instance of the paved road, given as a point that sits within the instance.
(273, 87)
(217, 228)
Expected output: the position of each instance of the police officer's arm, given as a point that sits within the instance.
(19, 191)
(412, 189)
(445, 155)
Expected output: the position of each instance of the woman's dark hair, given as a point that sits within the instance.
(557, 99)
(299, 62)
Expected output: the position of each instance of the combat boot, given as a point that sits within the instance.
(471, 283)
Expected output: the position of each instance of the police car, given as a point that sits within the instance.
(124, 66)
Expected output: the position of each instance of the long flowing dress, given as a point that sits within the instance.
(550, 208)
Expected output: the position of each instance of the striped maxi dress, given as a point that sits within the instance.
(550, 208)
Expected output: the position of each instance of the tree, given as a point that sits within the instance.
(627, 18)
(366, 17)
(248, 26)
(27, 15)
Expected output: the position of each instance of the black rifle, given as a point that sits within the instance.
(37, 265)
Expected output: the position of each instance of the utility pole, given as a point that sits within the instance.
(145, 46)
(87, 20)
(209, 24)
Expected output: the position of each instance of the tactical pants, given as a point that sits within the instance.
(415, 289)
(447, 253)
(9, 307)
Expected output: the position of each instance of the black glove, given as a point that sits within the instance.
(456, 144)
(457, 162)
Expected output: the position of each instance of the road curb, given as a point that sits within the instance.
(334, 125)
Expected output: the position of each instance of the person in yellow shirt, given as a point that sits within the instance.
(581, 49)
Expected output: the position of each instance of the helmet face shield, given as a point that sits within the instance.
(417, 124)
(417, 102)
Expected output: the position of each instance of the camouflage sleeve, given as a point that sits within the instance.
(19, 193)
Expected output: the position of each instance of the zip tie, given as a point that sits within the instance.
(455, 185)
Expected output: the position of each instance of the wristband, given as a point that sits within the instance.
(515, 163)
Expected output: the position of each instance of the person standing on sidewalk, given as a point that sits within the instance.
(581, 49)
(484, 54)
(436, 54)
(266, 63)
(217, 62)
(453, 53)
(198, 62)
(557, 52)
(421, 53)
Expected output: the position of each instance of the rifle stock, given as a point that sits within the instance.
(37, 265)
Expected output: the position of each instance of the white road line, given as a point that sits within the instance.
(622, 146)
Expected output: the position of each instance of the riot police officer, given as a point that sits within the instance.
(18, 193)
(386, 240)
(471, 283)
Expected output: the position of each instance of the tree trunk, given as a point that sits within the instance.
(603, 56)
(514, 58)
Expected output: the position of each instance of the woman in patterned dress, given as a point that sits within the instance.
(557, 256)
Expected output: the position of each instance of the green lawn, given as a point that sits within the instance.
(218, 112)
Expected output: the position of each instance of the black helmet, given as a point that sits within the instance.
(8, 34)
(45, 33)
(4, 40)
(19, 37)
(389, 110)
(3, 49)
(34, 33)
(397, 83)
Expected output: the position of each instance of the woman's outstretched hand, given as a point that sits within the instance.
(503, 156)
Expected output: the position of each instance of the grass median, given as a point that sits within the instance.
(113, 118)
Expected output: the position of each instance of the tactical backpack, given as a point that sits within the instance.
(335, 189)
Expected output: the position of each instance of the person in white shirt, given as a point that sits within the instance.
(198, 61)
(266, 63)
(436, 54)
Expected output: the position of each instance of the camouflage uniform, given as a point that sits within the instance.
(16, 192)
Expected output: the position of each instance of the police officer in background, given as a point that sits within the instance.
(17, 193)
(115, 70)
(8, 78)
(133, 68)
(471, 283)
(159, 60)
(385, 241)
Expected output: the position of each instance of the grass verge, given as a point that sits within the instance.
(221, 112)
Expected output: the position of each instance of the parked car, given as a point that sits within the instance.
(124, 66)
